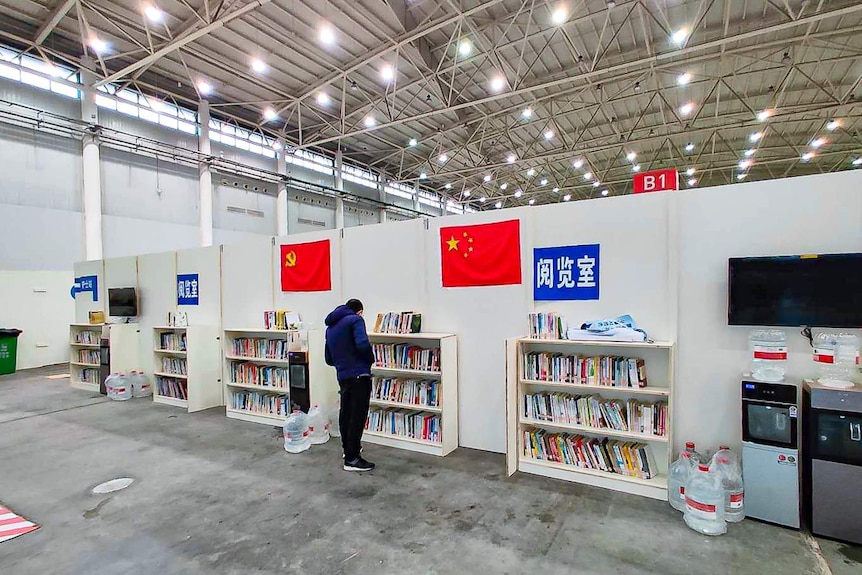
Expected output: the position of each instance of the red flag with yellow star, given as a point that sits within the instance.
(305, 267)
(481, 255)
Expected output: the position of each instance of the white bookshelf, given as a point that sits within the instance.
(78, 369)
(323, 388)
(201, 354)
(447, 410)
(123, 345)
(659, 361)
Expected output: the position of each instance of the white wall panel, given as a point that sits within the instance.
(247, 282)
(206, 262)
(157, 292)
(39, 238)
(85, 302)
(130, 236)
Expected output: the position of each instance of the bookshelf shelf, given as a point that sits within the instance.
(266, 388)
(260, 360)
(82, 364)
(84, 386)
(84, 342)
(84, 345)
(658, 362)
(447, 382)
(253, 417)
(201, 382)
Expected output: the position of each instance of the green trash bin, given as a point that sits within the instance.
(8, 350)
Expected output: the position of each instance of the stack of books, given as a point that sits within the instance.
(595, 411)
(404, 423)
(87, 337)
(88, 356)
(622, 457)
(170, 387)
(547, 325)
(260, 348)
(610, 371)
(172, 341)
(174, 365)
(424, 393)
(253, 374)
(281, 319)
(404, 356)
(398, 322)
(263, 403)
(90, 375)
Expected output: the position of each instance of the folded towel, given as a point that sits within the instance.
(615, 334)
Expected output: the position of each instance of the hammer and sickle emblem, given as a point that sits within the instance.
(290, 259)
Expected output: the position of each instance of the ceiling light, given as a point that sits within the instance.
(387, 72)
(578, 164)
(692, 182)
(269, 115)
(763, 115)
(276, 145)
(98, 45)
(807, 156)
(741, 176)
(567, 197)
(443, 158)
(588, 176)
(153, 13)
(532, 201)
(498, 83)
(549, 134)
(596, 184)
(465, 47)
(353, 86)
(531, 172)
(487, 178)
(259, 66)
(559, 15)
(631, 156)
(323, 99)
(689, 147)
(423, 175)
(527, 113)
(498, 205)
(413, 142)
(686, 109)
(369, 121)
(786, 60)
(818, 142)
(612, 4)
(690, 172)
(327, 35)
(466, 193)
(204, 87)
(483, 199)
(755, 137)
(833, 125)
(857, 162)
(679, 36)
(556, 190)
(518, 193)
(744, 164)
(504, 186)
(448, 186)
(605, 192)
(749, 152)
(543, 182)
(637, 86)
(683, 79)
(636, 168)
(511, 158)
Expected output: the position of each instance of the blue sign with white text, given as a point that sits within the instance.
(188, 289)
(86, 284)
(566, 273)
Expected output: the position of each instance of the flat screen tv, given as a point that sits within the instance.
(122, 302)
(822, 290)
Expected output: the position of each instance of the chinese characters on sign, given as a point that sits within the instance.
(188, 289)
(86, 284)
(566, 273)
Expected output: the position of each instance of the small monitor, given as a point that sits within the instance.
(122, 302)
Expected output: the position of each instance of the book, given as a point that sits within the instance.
(595, 411)
(404, 322)
(281, 319)
(601, 371)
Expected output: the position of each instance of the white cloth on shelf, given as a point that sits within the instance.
(618, 334)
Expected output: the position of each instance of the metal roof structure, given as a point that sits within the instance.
(510, 101)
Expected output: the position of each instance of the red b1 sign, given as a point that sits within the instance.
(658, 181)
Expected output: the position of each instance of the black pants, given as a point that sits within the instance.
(355, 394)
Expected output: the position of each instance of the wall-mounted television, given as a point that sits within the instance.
(122, 302)
(820, 290)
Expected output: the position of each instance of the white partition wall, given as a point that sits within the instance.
(206, 262)
(157, 288)
(84, 301)
(247, 282)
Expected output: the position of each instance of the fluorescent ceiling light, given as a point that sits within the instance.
(689, 147)
(686, 109)
(443, 158)
(749, 152)
(818, 142)
(259, 66)
(679, 36)
(763, 115)
(857, 162)
(605, 192)
(596, 184)
(269, 114)
(556, 190)
(740, 176)
(755, 137)
(98, 45)
(369, 122)
(518, 193)
(744, 164)
(448, 186)
(465, 47)
(833, 125)
(692, 182)
(578, 164)
(559, 15)
(636, 168)
(498, 205)
(690, 172)
(204, 87)
(807, 156)
(549, 134)
(567, 197)
(483, 199)
(588, 176)
(527, 113)
(631, 156)
(327, 35)
(423, 175)
(683, 79)
(413, 142)
(387, 72)
(511, 158)
(543, 182)
(531, 172)
(504, 186)
(532, 201)
(466, 193)
(153, 13)
(323, 99)
(487, 178)
(498, 83)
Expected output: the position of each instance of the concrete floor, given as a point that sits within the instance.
(214, 495)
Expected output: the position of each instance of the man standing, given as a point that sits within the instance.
(348, 349)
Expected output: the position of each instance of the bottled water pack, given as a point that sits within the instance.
(318, 426)
(704, 503)
(296, 432)
(118, 387)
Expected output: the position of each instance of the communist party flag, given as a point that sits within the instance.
(305, 267)
(481, 255)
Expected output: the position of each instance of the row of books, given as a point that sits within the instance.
(90, 375)
(253, 374)
(170, 387)
(172, 341)
(175, 365)
(609, 371)
(262, 403)
(281, 319)
(424, 393)
(404, 356)
(547, 325)
(395, 322)
(88, 356)
(404, 423)
(595, 411)
(627, 458)
(87, 337)
(260, 347)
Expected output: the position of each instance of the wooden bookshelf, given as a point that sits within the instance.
(659, 361)
(447, 410)
(201, 354)
(84, 375)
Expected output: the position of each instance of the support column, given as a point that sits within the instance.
(92, 170)
(205, 181)
(281, 199)
(381, 195)
(416, 204)
(339, 185)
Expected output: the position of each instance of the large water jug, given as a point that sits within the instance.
(696, 457)
(318, 425)
(118, 388)
(335, 426)
(296, 432)
(678, 476)
(725, 464)
(140, 384)
(768, 354)
(704, 503)
(837, 358)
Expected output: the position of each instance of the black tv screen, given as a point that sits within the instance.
(122, 302)
(822, 290)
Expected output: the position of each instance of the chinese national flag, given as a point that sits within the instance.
(305, 267)
(481, 255)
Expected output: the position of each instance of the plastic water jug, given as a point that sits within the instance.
(768, 354)
(678, 476)
(704, 503)
(837, 358)
(696, 457)
(334, 426)
(296, 432)
(725, 464)
(140, 384)
(318, 425)
(118, 388)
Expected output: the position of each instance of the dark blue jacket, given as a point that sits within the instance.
(347, 345)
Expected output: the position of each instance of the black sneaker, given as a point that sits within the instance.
(358, 464)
